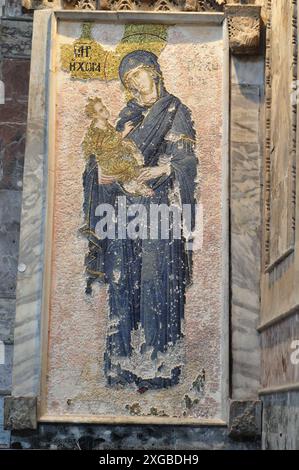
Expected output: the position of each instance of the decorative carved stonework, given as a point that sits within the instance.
(41, 4)
(210, 5)
(244, 26)
(87, 4)
(153, 5)
(281, 132)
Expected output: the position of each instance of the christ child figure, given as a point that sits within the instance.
(115, 154)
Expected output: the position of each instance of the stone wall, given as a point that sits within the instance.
(16, 30)
(281, 421)
(100, 437)
(279, 280)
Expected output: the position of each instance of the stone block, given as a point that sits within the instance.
(244, 28)
(247, 70)
(12, 150)
(4, 435)
(280, 421)
(13, 8)
(57, 436)
(245, 419)
(20, 413)
(15, 75)
(245, 102)
(10, 208)
(7, 317)
(16, 38)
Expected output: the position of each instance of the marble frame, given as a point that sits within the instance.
(34, 284)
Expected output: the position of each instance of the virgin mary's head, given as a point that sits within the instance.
(140, 73)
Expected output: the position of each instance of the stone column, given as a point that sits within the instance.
(16, 30)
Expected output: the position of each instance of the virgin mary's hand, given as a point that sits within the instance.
(127, 129)
(153, 172)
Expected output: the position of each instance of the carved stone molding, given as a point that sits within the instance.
(244, 27)
(153, 5)
(281, 74)
(244, 20)
(204, 5)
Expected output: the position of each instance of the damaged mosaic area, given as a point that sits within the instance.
(190, 61)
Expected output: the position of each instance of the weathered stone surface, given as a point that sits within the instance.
(245, 419)
(246, 170)
(12, 149)
(209, 438)
(281, 421)
(245, 100)
(26, 371)
(7, 314)
(244, 27)
(10, 109)
(158, 5)
(247, 70)
(15, 75)
(281, 125)
(10, 207)
(4, 435)
(5, 370)
(13, 8)
(279, 341)
(16, 38)
(20, 413)
(245, 246)
(41, 4)
(100, 437)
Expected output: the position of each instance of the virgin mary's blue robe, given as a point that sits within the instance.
(147, 278)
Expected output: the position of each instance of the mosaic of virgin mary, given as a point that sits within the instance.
(146, 277)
